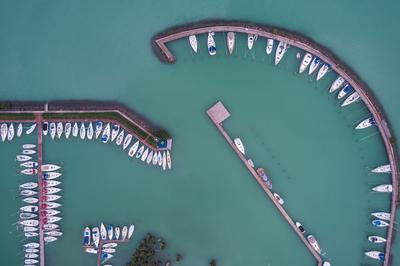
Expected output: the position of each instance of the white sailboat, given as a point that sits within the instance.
(133, 149)
(117, 232)
(50, 167)
(75, 130)
(149, 157)
(169, 162)
(230, 41)
(270, 46)
(51, 175)
(20, 129)
(30, 129)
(305, 62)
(11, 132)
(82, 131)
(239, 145)
(280, 51)
(377, 255)
(383, 169)
(159, 159)
(347, 89)
(110, 232)
(193, 42)
(99, 127)
(68, 129)
(322, 71)
(3, 131)
(124, 233)
(96, 236)
(314, 65)
(339, 81)
(354, 97)
(29, 185)
(29, 164)
(376, 239)
(127, 141)
(155, 158)
(313, 242)
(251, 39)
(140, 152)
(164, 161)
(23, 158)
(130, 231)
(212, 49)
(28, 146)
(106, 133)
(28, 152)
(53, 130)
(103, 232)
(114, 132)
(383, 188)
(51, 190)
(366, 123)
(120, 137)
(51, 183)
(29, 171)
(89, 132)
(27, 193)
(382, 215)
(60, 128)
(144, 155)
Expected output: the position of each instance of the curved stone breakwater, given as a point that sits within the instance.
(306, 44)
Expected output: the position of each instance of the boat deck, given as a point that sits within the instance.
(212, 113)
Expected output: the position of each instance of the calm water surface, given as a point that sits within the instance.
(208, 206)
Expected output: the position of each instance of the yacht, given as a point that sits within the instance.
(251, 39)
(212, 49)
(51, 183)
(379, 223)
(114, 132)
(99, 127)
(29, 171)
(110, 232)
(20, 128)
(31, 250)
(116, 233)
(112, 245)
(82, 131)
(127, 141)
(29, 164)
(51, 197)
(339, 81)
(155, 158)
(159, 159)
(124, 232)
(322, 71)
(278, 198)
(263, 175)
(376, 239)
(32, 245)
(347, 89)
(50, 167)
(28, 152)
(31, 129)
(51, 175)
(53, 130)
(239, 145)
(51, 190)
(377, 255)
(144, 155)
(89, 132)
(314, 65)
(23, 158)
(300, 227)
(28, 185)
(383, 188)
(149, 157)
(169, 163)
(164, 161)
(75, 130)
(49, 239)
(140, 152)
(29, 222)
(60, 128)
(28, 146)
(103, 232)
(106, 133)
(231, 41)
(193, 42)
(305, 62)
(381, 215)
(280, 51)
(366, 123)
(313, 242)
(54, 233)
(133, 149)
(95, 236)
(27, 193)
(130, 231)
(354, 97)
(45, 128)
(31, 200)
(3, 131)
(50, 226)
(120, 137)
(68, 128)
(30, 261)
(11, 132)
(270, 46)
(382, 169)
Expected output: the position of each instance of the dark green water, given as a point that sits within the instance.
(208, 206)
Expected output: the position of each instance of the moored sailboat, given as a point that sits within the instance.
(193, 42)
(280, 51)
(270, 46)
(230, 41)
(305, 62)
(212, 49)
(339, 81)
(354, 97)
(382, 169)
(366, 123)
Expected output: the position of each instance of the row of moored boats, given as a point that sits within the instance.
(8, 131)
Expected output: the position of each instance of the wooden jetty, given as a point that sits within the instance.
(310, 46)
(218, 114)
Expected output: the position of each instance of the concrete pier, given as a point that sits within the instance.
(218, 114)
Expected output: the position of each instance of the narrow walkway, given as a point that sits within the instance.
(38, 118)
(218, 114)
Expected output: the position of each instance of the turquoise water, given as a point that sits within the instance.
(208, 206)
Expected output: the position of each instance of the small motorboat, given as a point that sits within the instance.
(106, 133)
(109, 250)
(379, 223)
(23, 158)
(29, 185)
(68, 129)
(382, 215)
(51, 183)
(91, 250)
(251, 39)
(144, 155)
(155, 158)
(120, 138)
(82, 131)
(60, 129)
(278, 198)
(383, 188)
(28, 146)
(51, 190)
(53, 233)
(31, 129)
(169, 162)
(53, 130)
(103, 232)
(193, 42)
(305, 62)
(376, 239)
(110, 232)
(30, 261)
(110, 245)
(31, 250)
(300, 227)
(11, 132)
(52, 219)
(98, 128)
(164, 161)
(95, 236)
(27, 215)
(28, 152)
(50, 167)
(382, 169)
(89, 132)
(280, 51)
(239, 145)
(313, 242)
(30, 229)
(339, 81)
(140, 152)
(159, 159)
(31, 255)
(51, 205)
(3, 131)
(27, 193)
(49, 227)
(114, 132)
(29, 171)
(149, 157)
(133, 149)
(270, 46)
(51, 197)
(49, 239)
(49, 212)
(51, 175)
(29, 222)
(377, 255)
(75, 130)
(32, 245)
(29, 164)
(354, 97)
(31, 234)
(322, 71)
(20, 129)
(314, 65)
(30, 200)
(230, 41)
(263, 175)
(130, 231)
(212, 48)
(347, 89)
(124, 233)
(117, 232)
(127, 141)
(370, 121)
